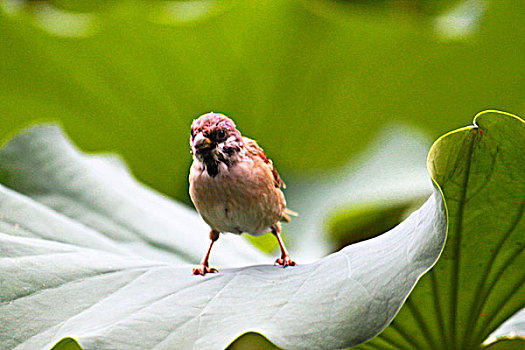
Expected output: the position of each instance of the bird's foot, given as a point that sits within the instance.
(204, 269)
(285, 261)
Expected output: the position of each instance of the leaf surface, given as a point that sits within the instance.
(88, 253)
(479, 281)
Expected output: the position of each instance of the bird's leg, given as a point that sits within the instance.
(285, 257)
(204, 268)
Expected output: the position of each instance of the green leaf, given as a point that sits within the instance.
(478, 282)
(88, 253)
(67, 344)
(252, 341)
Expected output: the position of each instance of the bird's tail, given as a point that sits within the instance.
(286, 215)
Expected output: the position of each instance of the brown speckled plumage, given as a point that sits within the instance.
(233, 184)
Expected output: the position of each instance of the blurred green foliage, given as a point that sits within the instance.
(357, 223)
(312, 80)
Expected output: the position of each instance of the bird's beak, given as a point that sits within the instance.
(201, 142)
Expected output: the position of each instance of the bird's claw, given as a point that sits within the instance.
(285, 261)
(204, 269)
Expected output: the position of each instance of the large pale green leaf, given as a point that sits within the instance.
(88, 253)
(479, 282)
(115, 212)
(310, 79)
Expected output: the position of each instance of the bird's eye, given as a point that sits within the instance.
(221, 133)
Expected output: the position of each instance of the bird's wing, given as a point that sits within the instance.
(254, 149)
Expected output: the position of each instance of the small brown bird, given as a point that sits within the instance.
(233, 185)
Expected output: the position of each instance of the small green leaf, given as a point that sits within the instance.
(252, 341)
(67, 344)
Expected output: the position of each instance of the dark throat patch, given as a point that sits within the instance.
(211, 165)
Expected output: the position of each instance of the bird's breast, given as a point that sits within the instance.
(240, 198)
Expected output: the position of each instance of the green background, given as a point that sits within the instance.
(313, 81)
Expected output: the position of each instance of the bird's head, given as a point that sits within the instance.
(215, 138)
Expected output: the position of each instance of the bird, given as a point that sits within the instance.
(234, 185)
